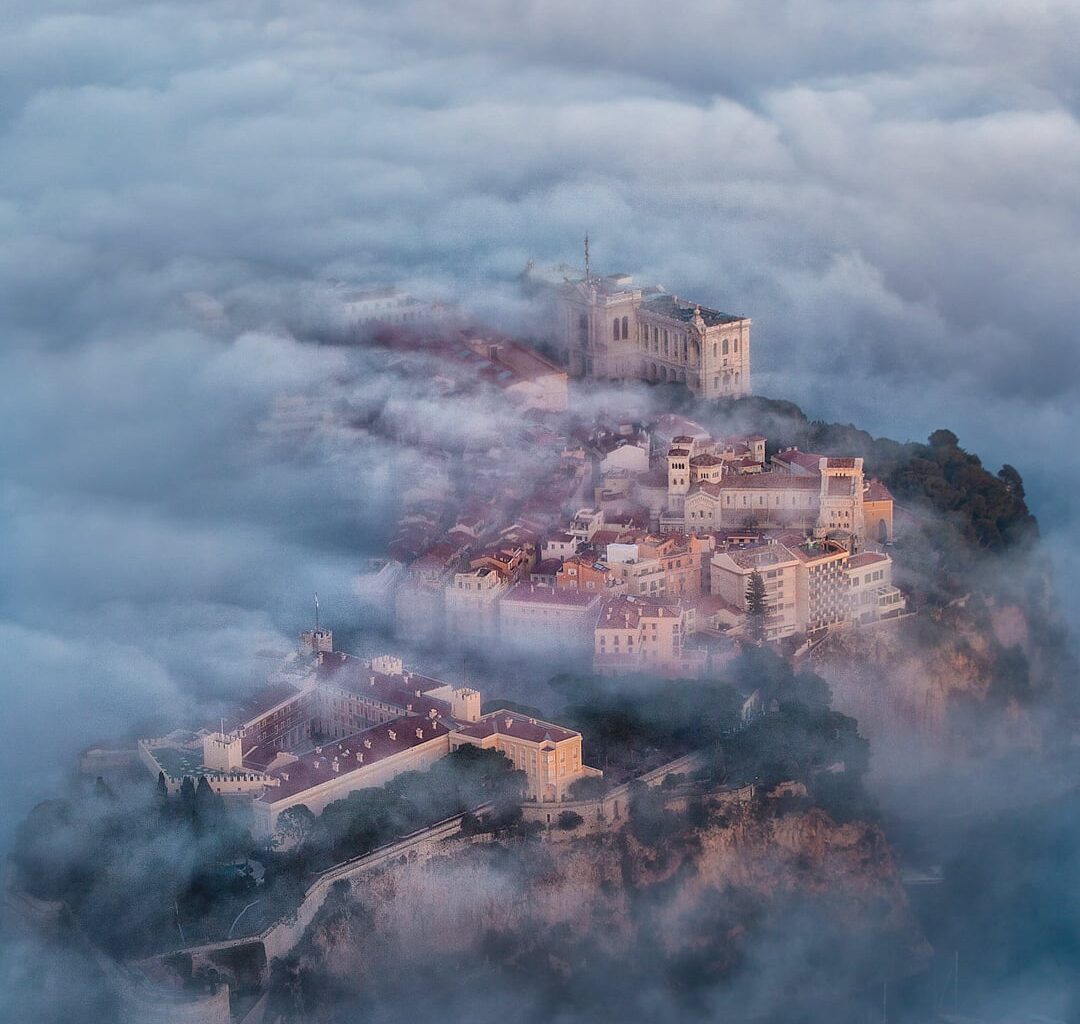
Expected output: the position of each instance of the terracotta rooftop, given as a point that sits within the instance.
(807, 460)
(875, 490)
(510, 723)
(538, 593)
(406, 692)
(260, 702)
(352, 754)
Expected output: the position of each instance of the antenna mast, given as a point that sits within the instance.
(588, 276)
(316, 611)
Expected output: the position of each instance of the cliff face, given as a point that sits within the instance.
(924, 676)
(714, 896)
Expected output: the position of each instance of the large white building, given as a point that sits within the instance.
(611, 329)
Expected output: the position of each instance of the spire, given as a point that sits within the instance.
(588, 276)
(316, 612)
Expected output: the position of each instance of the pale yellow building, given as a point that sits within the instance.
(548, 754)
(642, 635)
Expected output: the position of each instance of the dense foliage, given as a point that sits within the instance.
(136, 871)
(369, 818)
(987, 510)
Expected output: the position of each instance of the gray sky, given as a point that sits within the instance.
(889, 190)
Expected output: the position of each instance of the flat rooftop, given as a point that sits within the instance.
(680, 309)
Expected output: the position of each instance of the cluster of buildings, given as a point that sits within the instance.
(608, 328)
(653, 574)
(329, 724)
(626, 543)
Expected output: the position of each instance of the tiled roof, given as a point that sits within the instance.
(875, 490)
(352, 754)
(510, 723)
(537, 593)
(807, 460)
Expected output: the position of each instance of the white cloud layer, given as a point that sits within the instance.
(888, 189)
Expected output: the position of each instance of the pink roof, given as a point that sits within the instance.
(808, 460)
(875, 490)
(353, 754)
(510, 723)
(537, 593)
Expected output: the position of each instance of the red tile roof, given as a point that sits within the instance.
(510, 723)
(353, 754)
(537, 593)
(875, 490)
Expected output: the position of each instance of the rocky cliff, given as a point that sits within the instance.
(707, 901)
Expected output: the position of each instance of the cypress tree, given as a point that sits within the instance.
(755, 607)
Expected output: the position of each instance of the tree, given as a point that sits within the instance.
(755, 607)
(1009, 476)
(187, 794)
(162, 788)
(569, 820)
(294, 825)
(943, 439)
(209, 806)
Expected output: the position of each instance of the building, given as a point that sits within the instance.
(642, 635)
(472, 605)
(826, 499)
(878, 511)
(365, 759)
(549, 755)
(557, 622)
(871, 594)
(610, 329)
(779, 568)
(822, 598)
(366, 309)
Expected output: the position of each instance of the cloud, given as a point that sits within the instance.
(887, 189)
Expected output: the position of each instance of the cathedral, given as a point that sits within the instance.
(607, 328)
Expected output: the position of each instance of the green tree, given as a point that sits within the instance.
(294, 825)
(755, 607)
(187, 795)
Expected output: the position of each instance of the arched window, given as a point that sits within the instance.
(725, 346)
(735, 345)
(714, 350)
(625, 327)
(615, 329)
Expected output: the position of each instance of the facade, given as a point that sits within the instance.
(549, 755)
(635, 635)
(878, 511)
(558, 621)
(610, 329)
(822, 494)
(871, 594)
(822, 600)
(472, 605)
(779, 569)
